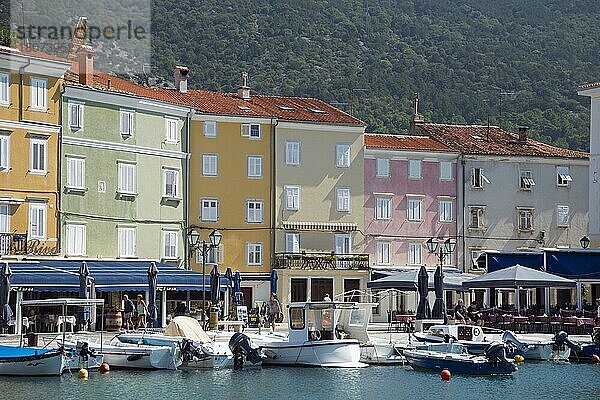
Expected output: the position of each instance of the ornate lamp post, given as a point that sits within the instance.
(447, 247)
(584, 242)
(214, 240)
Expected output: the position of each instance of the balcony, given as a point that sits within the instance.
(13, 244)
(321, 261)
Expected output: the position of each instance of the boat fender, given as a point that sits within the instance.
(519, 358)
(104, 368)
(445, 374)
(595, 359)
(83, 373)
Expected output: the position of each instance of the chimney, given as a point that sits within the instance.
(244, 90)
(181, 76)
(523, 134)
(416, 117)
(85, 61)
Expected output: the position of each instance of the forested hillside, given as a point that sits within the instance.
(369, 56)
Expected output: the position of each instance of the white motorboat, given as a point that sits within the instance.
(353, 324)
(83, 357)
(312, 339)
(31, 361)
(532, 348)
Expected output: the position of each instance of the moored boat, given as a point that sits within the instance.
(31, 361)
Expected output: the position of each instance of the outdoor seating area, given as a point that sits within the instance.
(534, 321)
(398, 322)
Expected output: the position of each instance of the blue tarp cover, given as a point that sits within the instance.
(14, 351)
(63, 276)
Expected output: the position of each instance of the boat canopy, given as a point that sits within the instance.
(108, 276)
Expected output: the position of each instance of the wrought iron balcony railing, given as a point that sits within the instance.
(13, 244)
(325, 261)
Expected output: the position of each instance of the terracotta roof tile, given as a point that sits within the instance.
(403, 142)
(588, 85)
(481, 139)
(285, 108)
(24, 51)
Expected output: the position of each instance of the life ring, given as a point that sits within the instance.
(315, 335)
(476, 332)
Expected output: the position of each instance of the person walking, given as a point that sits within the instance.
(141, 309)
(273, 310)
(127, 312)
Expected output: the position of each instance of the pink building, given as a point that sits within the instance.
(410, 196)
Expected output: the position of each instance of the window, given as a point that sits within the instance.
(76, 115)
(414, 209)
(383, 253)
(39, 94)
(126, 184)
(251, 130)
(562, 216)
(525, 216)
(526, 181)
(126, 123)
(171, 183)
(383, 167)
(478, 178)
(415, 254)
(292, 198)
(213, 256)
(210, 128)
(4, 220)
(37, 151)
(210, 210)
(75, 239)
(254, 211)
(563, 177)
(4, 88)
(445, 211)
(342, 155)
(445, 171)
(342, 243)
(343, 199)
(170, 244)
(4, 152)
(414, 169)
(171, 128)
(75, 173)
(297, 318)
(292, 153)
(475, 254)
(255, 166)
(292, 242)
(37, 221)
(476, 217)
(210, 165)
(383, 208)
(126, 237)
(254, 253)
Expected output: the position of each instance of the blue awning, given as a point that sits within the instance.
(574, 263)
(63, 276)
(497, 260)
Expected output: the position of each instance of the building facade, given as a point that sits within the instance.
(123, 157)
(30, 85)
(515, 193)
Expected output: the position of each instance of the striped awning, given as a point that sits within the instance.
(320, 226)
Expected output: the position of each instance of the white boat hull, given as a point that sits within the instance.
(545, 352)
(380, 354)
(74, 363)
(324, 353)
(147, 357)
(50, 364)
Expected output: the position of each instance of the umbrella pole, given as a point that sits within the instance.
(101, 326)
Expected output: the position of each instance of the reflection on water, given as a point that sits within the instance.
(532, 381)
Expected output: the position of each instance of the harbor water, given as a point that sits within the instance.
(532, 381)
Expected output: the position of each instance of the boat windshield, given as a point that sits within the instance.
(320, 324)
(357, 317)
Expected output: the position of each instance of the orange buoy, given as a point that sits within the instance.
(445, 374)
(104, 368)
(595, 359)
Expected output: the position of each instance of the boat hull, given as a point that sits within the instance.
(52, 363)
(380, 354)
(456, 363)
(333, 354)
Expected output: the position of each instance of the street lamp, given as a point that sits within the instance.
(447, 247)
(196, 245)
(584, 242)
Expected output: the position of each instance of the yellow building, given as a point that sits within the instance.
(30, 85)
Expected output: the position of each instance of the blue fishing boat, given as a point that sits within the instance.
(30, 361)
(493, 362)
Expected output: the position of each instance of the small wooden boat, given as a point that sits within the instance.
(494, 362)
(31, 361)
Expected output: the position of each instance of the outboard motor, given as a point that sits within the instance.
(514, 344)
(496, 353)
(241, 347)
(191, 352)
(561, 339)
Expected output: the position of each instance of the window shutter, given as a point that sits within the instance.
(3, 152)
(246, 130)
